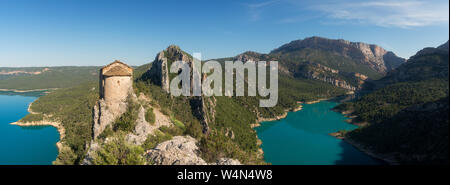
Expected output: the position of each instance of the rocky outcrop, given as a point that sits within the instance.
(181, 150)
(204, 109)
(257, 57)
(372, 55)
(227, 161)
(348, 80)
(104, 116)
(143, 128)
(93, 147)
(249, 56)
(159, 72)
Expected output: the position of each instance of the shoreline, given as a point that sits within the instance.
(61, 130)
(57, 125)
(25, 91)
(384, 157)
(284, 115)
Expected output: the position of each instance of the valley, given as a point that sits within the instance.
(218, 129)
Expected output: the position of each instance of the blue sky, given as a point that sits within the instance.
(96, 32)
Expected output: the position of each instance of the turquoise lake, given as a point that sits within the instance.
(302, 138)
(24, 145)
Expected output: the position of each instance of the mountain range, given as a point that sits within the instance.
(310, 69)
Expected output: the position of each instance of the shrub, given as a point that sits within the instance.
(150, 116)
(119, 152)
(153, 140)
(127, 121)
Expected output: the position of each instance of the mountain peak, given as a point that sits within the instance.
(368, 54)
(173, 47)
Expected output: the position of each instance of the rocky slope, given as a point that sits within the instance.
(371, 55)
(344, 64)
(181, 150)
(142, 123)
(203, 107)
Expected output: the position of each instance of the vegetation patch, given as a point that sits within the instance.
(32, 118)
(119, 152)
(127, 121)
(150, 116)
(153, 140)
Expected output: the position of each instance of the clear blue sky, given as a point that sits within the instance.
(96, 32)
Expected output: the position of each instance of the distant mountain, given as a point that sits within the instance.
(338, 62)
(371, 55)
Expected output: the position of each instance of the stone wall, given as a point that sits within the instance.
(117, 89)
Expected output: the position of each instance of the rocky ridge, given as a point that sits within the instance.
(372, 55)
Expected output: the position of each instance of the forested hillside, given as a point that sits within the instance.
(407, 114)
(46, 77)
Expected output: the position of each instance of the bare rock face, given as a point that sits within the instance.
(159, 72)
(329, 75)
(249, 56)
(182, 150)
(372, 55)
(89, 158)
(142, 129)
(104, 116)
(204, 108)
(227, 161)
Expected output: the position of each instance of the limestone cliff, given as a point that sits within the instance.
(203, 107)
(372, 55)
(159, 71)
(103, 116)
(350, 81)
(310, 70)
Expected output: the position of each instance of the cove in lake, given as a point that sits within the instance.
(303, 138)
(24, 145)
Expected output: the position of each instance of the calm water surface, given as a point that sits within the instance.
(302, 138)
(24, 145)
